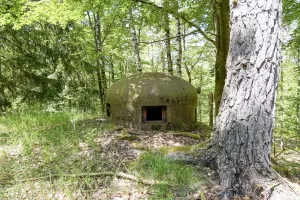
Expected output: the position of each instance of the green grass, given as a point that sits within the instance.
(180, 178)
(39, 149)
(36, 144)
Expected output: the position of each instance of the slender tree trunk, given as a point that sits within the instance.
(179, 46)
(135, 45)
(211, 109)
(298, 94)
(2, 94)
(281, 108)
(112, 69)
(199, 94)
(222, 29)
(162, 55)
(243, 131)
(188, 72)
(167, 38)
(102, 82)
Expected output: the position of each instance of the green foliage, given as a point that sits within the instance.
(180, 178)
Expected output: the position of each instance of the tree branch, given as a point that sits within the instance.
(155, 41)
(176, 14)
(108, 173)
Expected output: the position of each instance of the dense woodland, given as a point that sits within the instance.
(62, 56)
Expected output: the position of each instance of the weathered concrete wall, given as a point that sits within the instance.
(127, 97)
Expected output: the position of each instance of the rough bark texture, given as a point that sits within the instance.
(136, 50)
(221, 19)
(179, 46)
(167, 40)
(243, 131)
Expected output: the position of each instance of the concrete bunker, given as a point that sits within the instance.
(151, 101)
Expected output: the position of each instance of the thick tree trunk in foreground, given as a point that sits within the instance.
(243, 132)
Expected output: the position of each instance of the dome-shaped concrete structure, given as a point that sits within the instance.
(151, 101)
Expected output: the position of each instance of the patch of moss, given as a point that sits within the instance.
(171, 149)
(127, 136)
(180, 126)
(184, 149)
(187, 134)
(139, 146)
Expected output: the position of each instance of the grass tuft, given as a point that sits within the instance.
(181, 178)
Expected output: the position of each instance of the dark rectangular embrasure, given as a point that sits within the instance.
(154, 114)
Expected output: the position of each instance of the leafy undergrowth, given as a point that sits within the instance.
(65, 155)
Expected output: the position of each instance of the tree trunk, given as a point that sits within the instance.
(221, 19)
(243, 131)
(199, 95)
(298, 94)
(102, 83)
(2, 94)
(162, 55)
(188, 72)
(135, 45)
(112, 69)
(179, 46)
(211, 109)
(167, 40)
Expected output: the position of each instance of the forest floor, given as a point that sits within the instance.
(67, 156)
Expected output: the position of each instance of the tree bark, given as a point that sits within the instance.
(135, 45)
(112, 69)
(2, 94)
(298, 93)
(162, 56)
(179, 46)
(211, 109)
(222, 29)
(243, 131)
(167, 36)
(101, 77)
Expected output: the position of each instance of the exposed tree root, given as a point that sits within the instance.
(258, 186)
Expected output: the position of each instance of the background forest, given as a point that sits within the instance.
(62, 55)
(65, 54)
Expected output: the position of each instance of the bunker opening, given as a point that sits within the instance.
(154, 114)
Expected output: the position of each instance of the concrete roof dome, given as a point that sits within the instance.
(151, 100)
(152, 88)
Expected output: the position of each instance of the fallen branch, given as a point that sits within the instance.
(118, 174)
